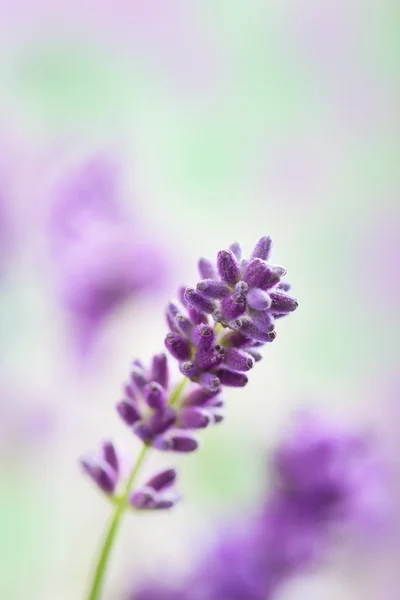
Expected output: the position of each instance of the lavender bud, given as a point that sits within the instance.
(258, 299)
(262, 320)
(155, 396)
(199, 302)
(197, 317)
(204, 337)
(178, 346)
(128, 411)
(144, 498)
(195, 418)
(189, 369)
(236, 249)
(282, 303)
(143, 431)
(227, 266)
(128, 389)
(233, 307)
(183, 442)
(209, 381)
(238, 360)
(249, 329)
(207, 269)
(213, 289)
(236, 339)
(162, 420)
(110, 456)
(162, 480)
(138, 376)
(184, 325)
(284, 286)
(171, 312)
(207, 359)
(199, 397)
(256, 272)
(232, 378)
(263, 248)
(102, 474)
(159, 370)
(273, 277)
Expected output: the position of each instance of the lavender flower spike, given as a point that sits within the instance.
(239, 295)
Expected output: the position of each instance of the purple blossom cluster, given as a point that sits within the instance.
(324, 477)
(216, 332)
(218, 328)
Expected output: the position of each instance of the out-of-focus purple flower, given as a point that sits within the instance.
(157, 494)
(102, 256)
(103, 468)
(323, 475)
(217, 327)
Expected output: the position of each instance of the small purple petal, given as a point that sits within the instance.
(233, 307)
(197, 317)
(139, 376)
(232, 378)
(206, 359)
(209, 381)
(141, 499)
(263, 248)
(236, 339)
(207, 269)
(162, 480)
(189, 369)
(178, 346)
(195, 418)
(204, 337)
(184, 325)
(199, 397)
(110, 456)
(264, 321)
(171, 312)
(227, 266)
(155, 395)
(162, 420)
(213, 289)
(199, 302)
(256, 273)
(249, 329)
(236, 249)
(238, 360)
(143, 431)
(284, 286)
(183, 442)
(129, 392)
(258, 299)
(282, 303)
(128, 411)
(159, 370)
(102, 474)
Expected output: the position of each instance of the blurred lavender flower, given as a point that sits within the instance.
(323, 476)
(102, 256)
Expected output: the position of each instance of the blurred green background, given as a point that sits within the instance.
(231, 120)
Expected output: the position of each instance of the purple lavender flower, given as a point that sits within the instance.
(146, 410)
(217, 328)
(101, 256)
(103, 468)
(157, 493)
(324, 478)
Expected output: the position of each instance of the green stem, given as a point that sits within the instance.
(121, 507)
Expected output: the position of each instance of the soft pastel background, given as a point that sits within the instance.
(229, 120)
